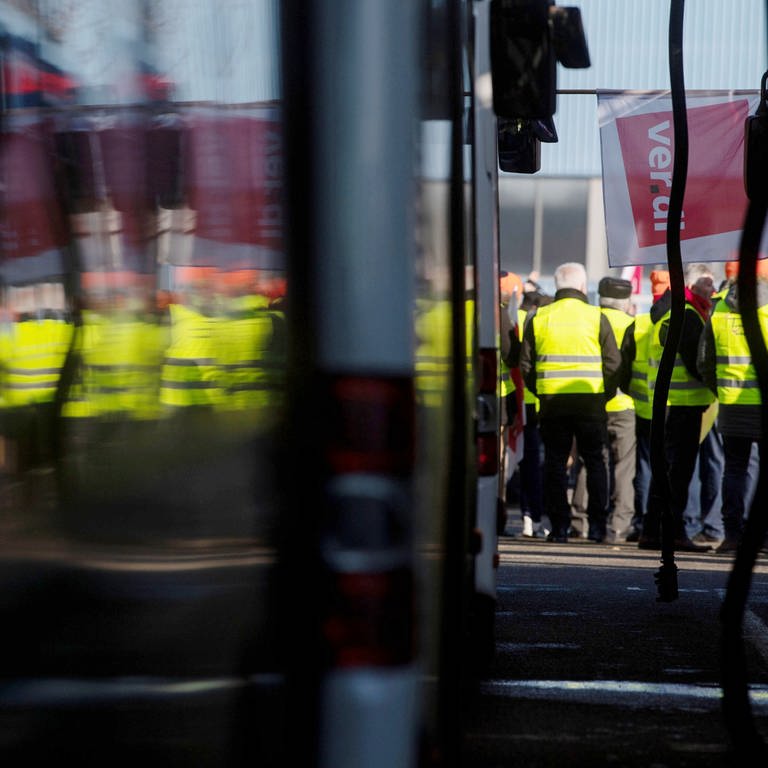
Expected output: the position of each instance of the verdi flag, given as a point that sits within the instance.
(637, 145)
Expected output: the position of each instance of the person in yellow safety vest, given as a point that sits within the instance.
(191, 376)
(118, 346)
(532, 465)
(687, 400)
(33, 347)
(246, 355)
(725, 364)
(637, 338)
(529, 467)
(615, 302)
(569, 358)
(433, 352)
(510, 289)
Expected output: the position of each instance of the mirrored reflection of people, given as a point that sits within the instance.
(34, 338)
(725, 364)
(570, 360)
(687, 400)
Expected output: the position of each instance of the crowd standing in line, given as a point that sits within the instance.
(589, 375)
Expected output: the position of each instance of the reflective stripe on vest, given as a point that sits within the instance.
(619, 321)
(568, 355)
(190, 374)
(638, 386)
(736, 378)
(684, 389)
(118, 368)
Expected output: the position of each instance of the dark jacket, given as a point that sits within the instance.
(590, 406)
(689, 335)
(732, 420)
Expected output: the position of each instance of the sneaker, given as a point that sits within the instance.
(540, 531)
(557, 538)
(527, 526)
(707, 540)
(648, 542)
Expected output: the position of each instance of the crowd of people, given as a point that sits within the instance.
(589, 373)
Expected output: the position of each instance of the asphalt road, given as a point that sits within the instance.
(591, 670)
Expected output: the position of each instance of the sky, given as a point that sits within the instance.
(724, 47)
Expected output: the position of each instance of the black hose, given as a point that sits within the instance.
(666, 576)
(737, 710)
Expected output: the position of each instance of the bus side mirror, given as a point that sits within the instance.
(519, 148)
(523, 62)
(519, 144)
(527, 40)
(568, 37)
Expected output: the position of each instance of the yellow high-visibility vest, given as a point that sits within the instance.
(118, 367)
(433, 352)
(619, 321)
(736, 378)
(638, 386)
(528, 397)
(190, 374)
(684, 389)
(568, 354)
(248, 370)
(33, 354)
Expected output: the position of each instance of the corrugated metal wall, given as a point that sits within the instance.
(724, 47)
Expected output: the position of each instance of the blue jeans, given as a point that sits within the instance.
(642, 481)
(739, 479)
(704, 509)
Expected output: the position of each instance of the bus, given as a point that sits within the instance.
(249, 421)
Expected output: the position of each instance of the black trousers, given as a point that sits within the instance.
(591, 437)
(681, 446)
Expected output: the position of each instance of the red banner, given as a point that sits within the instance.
(637, 141)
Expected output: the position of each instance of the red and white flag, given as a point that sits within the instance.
(637, 145)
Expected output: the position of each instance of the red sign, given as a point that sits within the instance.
(235, 179)
(714, 200)
(31, 219)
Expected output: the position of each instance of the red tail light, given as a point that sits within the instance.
(488, 453)
(489, 372)
(370, 621)
(370, 423)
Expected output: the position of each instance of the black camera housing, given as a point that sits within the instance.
(528, 38)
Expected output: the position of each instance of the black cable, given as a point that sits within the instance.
(737, 710)
(666, 576)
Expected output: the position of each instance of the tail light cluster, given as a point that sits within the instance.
(370, 621)
(487, 415)
(368, 612)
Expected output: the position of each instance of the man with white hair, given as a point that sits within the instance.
(570, 360)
